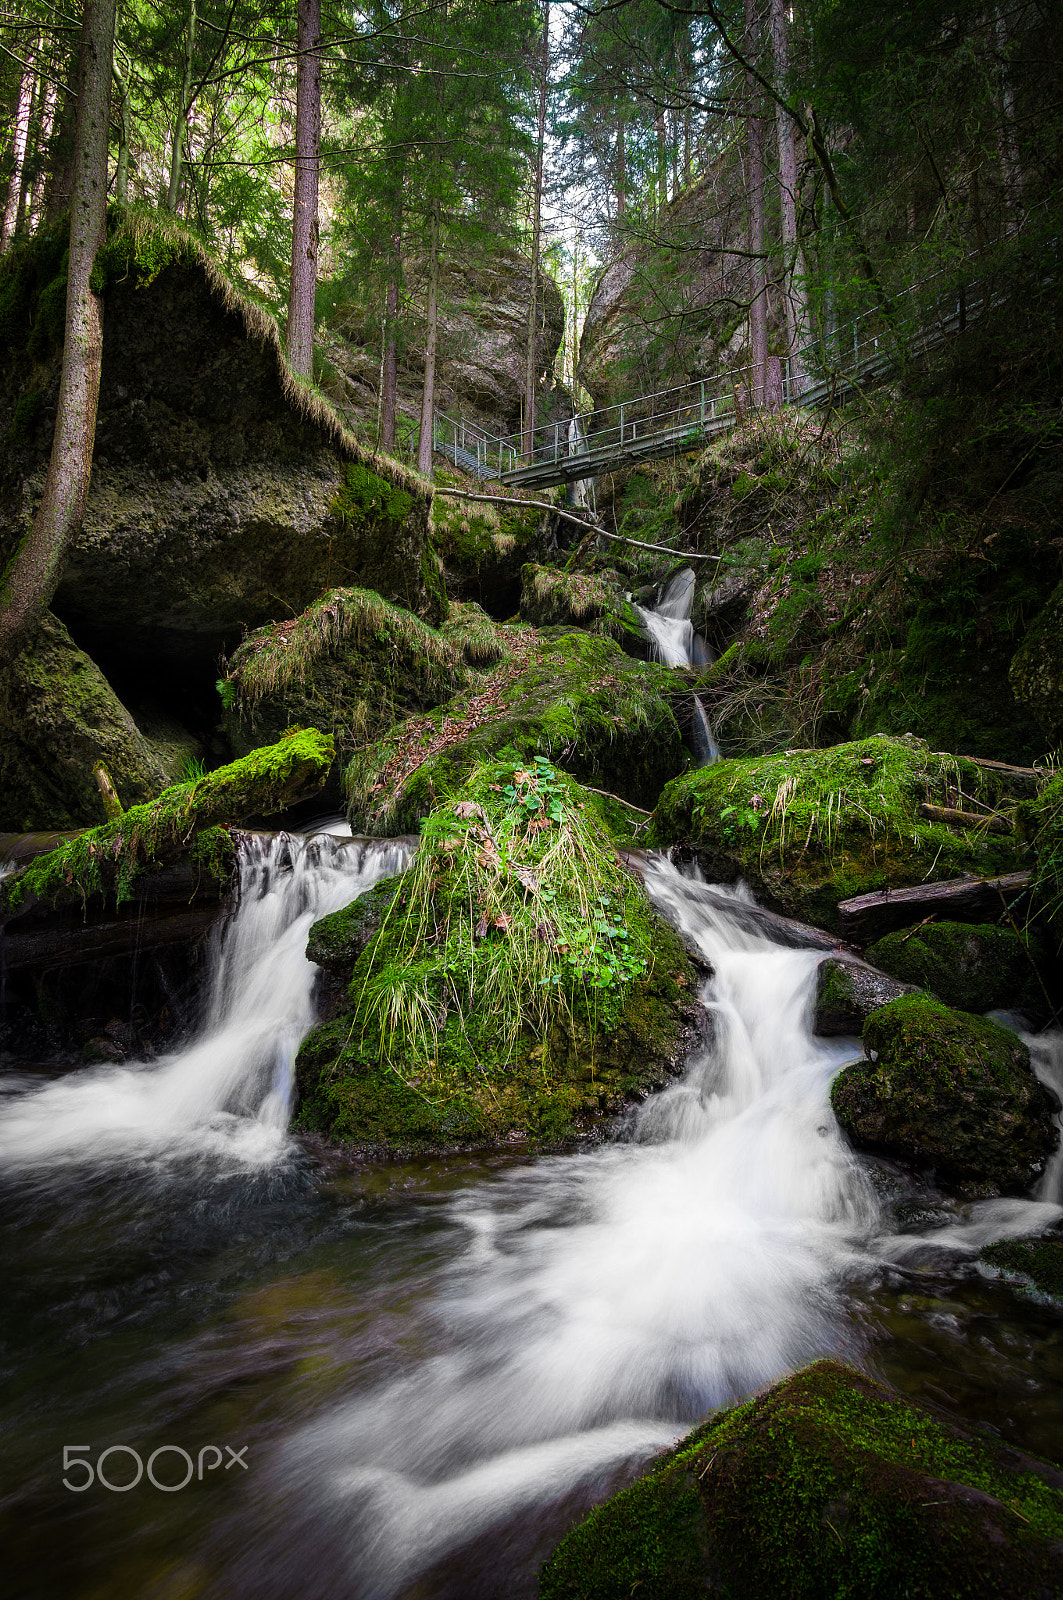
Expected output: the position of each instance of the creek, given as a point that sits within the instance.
(428, 1370)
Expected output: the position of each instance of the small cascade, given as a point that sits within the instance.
(229, 1090)
(581, 493)
(674, 642)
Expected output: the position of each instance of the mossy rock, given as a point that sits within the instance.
(569, 697)
(972, 967)
(484, 547)
(351, 664)
(951, 1091)
(809, 828)
(518, 983)
(847, 992)
(59, 717)
(829, 1486)
(1036, 671)
(552, 597)
(1036, 1264)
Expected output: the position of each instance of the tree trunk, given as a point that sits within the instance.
(121, 177)
(47, 123)
(530, 366)
(1009, 149)
(29, 580)
(60, 185)
(621, 172)
(177, 147)
(20, 139)
(428, 394)
(304, 218)
(793, 258)
(758, 301)
(662, 164)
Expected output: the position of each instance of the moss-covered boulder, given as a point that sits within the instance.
(1036, 671)
(828, 1487)
(185, 821)
(484, 547)
(552, 597)
(808, 828)
(972, 967)
(847, 992)
(570, 697)
(519, 983)
(1031, 1264)
(59, 717)
(351, 664)
(225, 492)
(951, 1091)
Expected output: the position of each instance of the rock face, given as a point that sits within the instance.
(1036, 672)
(828, 1485)
(222, 494)
(951, 1091)
(58, 717)
(808, 828)
(847, 992)
(515, 981)
(971, 967)
(483, 332)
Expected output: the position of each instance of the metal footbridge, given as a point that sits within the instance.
(684, 418)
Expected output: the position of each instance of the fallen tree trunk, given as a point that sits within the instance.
(868, 916)
(988, 822)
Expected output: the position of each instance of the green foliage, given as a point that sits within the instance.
(33, 293)
(28, 410)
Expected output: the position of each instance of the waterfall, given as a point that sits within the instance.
(604, 1301)
(580, 493)
(674, 642)
(229, 1090)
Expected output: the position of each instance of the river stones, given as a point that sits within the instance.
(847, 992)
(829, 1484)
(950, 1091)
(973, 967)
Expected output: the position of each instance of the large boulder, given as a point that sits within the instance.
(516, 981)
(809, 828)
(973, 967)
(224, 492)
(570, 697)
(59, 717)
(950, 1091)
(847, 992)
(828, 1485)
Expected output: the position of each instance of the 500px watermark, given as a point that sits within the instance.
(163, 1470)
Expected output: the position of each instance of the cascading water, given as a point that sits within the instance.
(673, 640)
(230, 1089)
(580, 493)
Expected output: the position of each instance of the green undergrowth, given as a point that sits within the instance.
(1038, 1263)
(478, 636)
(828, 1487)
(519, 980)
(185, 820)
(809, 828)
(571, 697)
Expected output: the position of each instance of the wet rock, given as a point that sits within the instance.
(949, 1091)
(829, 1484)
(972, 967)
(847, 992)
(1035, 1264)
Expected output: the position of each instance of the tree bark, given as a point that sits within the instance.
(32, 573)
(621, 172)
(758, 303)
(177, 146)
(793, 258)
(428, 394)
(530, 368)
(121, 178)
(47, 123)
(20, 139)
(304, 218)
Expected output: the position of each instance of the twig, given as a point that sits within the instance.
(591, 527)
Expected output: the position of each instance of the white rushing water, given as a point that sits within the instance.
(605, 1300)
(229, 1091)
(673, 640)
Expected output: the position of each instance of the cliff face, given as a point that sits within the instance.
(483, 334)
(220, 490)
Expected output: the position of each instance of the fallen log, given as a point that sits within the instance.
(987, 822)
(969, 899)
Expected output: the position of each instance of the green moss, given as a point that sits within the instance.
(474, 633)
(519, 982)
(336, 941)
(28, 410)
(552, 597)
(809, 828)
(973, 968)
(366, 498)
(434, 586)
(32, 280)
(134, 252)
(106, 860)
(950, 1090)
(826, 1488)
(1038, 1262)
(570, 697)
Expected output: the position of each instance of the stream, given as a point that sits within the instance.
(273, 1371)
